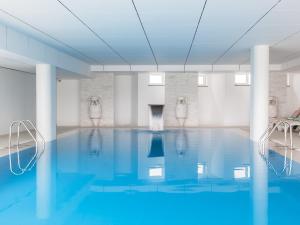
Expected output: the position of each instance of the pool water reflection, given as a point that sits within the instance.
(128, 177)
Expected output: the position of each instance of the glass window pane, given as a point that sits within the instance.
(202, 80)
(156, 78)
(242, 79)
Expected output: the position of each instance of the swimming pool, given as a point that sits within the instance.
(137, 177)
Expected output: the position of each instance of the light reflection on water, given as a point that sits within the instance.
(119, 176)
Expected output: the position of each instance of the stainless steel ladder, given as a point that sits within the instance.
(36, 137)
(267, 134)
(287, 164)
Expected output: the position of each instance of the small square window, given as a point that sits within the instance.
(242, 79)
(202, 80)
(156, 79)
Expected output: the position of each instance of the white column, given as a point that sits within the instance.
(259, 91)
(46, 168)
(46, 101)
(259, 187)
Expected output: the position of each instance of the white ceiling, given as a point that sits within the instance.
(109, 31)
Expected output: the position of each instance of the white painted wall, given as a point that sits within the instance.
(222, 103)
(211, 101)
(237, 103)
(124, 100)
(134, 96)
(293, 94)
(17, 97)
(68, 102)
(147, 95)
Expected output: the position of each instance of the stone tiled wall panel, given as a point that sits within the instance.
(177, 85)
(278, 89)
(103, 86)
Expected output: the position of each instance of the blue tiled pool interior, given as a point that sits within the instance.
(139, 177)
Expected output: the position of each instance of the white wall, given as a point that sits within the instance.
(17, 97)
(211, 101)
(134, 106)
(68, 103)
(293, 94)
(147, 95)
(125, 88)
(222, 103)
(237, 103)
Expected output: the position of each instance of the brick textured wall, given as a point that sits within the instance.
(278, 88)
(103, 86)
(177, 85)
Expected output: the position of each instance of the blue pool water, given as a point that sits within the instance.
(136, 177)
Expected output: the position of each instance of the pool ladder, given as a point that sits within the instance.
(267, 134)
(36, 137)
(287, 164)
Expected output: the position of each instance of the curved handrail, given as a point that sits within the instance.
(287, 166)
(36, 155)
(267, 134)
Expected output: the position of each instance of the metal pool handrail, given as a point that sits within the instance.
(27, 124)
(267, 134)
(287, 165)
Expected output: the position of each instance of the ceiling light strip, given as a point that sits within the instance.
(194, 36)
(245, 33)
(51, 37)
(94, 32)
(145, 33)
